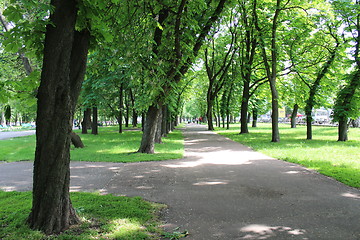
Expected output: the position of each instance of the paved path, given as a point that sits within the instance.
(11, 134)
(222, 190)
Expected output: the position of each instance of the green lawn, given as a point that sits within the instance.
(340, 160)
(103, 217)
(108, 146)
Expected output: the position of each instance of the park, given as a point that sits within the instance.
(197, 119)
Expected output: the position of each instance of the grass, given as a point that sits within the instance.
(103, 217)
(108, 146)
(340, 160)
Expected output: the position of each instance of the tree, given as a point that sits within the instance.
(316, 84)
(248, 44)
(348, 99)
(174, 49)
(217, 66)
(271, 64)
(65, 53)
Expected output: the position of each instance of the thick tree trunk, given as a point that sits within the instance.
(150, 127)
(294, 115)
(342, 130)
(86, 123)
(209, 114)
(94, 125)
(275, 113)
(76, 140)
(143, 120)
(134, 118)
(255, 117)
(52, 211)
(309, 126)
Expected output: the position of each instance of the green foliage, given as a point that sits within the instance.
(108, 146)
(29, 19)
(339, 160)
(347, 104)
(102, 216)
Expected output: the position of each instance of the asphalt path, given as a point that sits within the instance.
(12, 134)
(221, 190)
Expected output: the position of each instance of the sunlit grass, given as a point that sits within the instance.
(103, 217)
(107, 146)
(340, 160)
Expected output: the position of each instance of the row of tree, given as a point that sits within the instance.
(133, 58)
(306, 54)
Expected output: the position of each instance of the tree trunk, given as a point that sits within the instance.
(134, 118)
(164, 128)
(294, 115)
(121, 107)
(134, 112)
(218, 113)
(158, 133)
(150, 127)
(86, 123)
(355, 123)
(168, 123)
(275, 113)
(209, 114)
(342, 130)
(94, 125)
(52, 211)
(308, 126)
(255, 116)
(143, 120)
(127, 107)
(76, 140)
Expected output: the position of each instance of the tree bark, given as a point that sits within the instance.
(275, 137)
(209, 114)
(168, 122)
(255, 117)
(134, 112)
(343, 130)
(94, 125)
(121, 107)
(164, 129)
(148, 139)
(52, 211)
(127, 107)
(244, 110)
(86, 123)
(158, 133)
(309, 120)
(294, 115)
(76, 140)
(143, 120)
